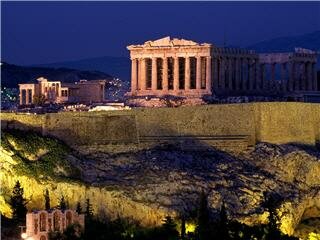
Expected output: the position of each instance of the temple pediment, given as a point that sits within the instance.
(168, 42)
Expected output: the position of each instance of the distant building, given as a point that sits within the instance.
(56, 92)
(40, 223)
(184, 68)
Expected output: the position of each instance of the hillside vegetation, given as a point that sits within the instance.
(149, 184)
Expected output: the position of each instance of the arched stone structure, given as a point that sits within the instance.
(40, 223)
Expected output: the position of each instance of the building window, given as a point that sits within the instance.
(56, 221)
(36, 226)
(43, 222)
(49, 224)
(69, 218)
(64, 93)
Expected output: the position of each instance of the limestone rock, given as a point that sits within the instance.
(148, 184)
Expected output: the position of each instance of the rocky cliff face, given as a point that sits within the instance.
(147, 185)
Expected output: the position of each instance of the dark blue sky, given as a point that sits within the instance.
(45, 32)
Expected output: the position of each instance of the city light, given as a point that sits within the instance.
(190, 227)
(24, 235)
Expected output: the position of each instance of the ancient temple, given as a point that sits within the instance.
(185, 68)
(170, 67)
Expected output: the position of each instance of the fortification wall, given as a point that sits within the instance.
(23, 121)
(268, 122)
(229, 119)
(288, 123)
(90, 128)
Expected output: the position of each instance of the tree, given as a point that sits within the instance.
(62, 203)
(18, 203)
(203, 221)
(79, 209)
(183, 228)
(223, 223)
(272, 201)
(72, 232)
(47, 200)
(89, 210)
(169, 230)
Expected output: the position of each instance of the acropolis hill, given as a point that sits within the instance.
(147, 163)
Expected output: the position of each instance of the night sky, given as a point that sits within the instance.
(45, 32)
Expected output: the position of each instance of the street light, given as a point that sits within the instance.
(24, 235)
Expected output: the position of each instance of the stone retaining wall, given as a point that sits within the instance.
(268, 122)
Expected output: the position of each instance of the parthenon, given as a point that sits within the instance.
(185, 68)
(174, 67)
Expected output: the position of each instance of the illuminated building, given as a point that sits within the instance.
(56, 92)
(184, 68)
(40, 223)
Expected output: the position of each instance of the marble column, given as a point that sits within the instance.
(284, 77)
(138, 75)
(257, 84)
(133, 75)
(165, 74)
(257, 76)
(237, 74)
(230, 69)
(20, 96)
(187, 73)
(198, 73)
(154, 74)
(208, 74)
(244, 73)
(297, 76)
(273, 84)
(309, 76)
(264, 83)
(303, 79)
(314, 77)
(291, 84)
(251, 74)
(176, 74)
(222, 74)
(143, 74)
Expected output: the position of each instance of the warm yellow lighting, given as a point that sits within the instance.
(314, 236)
(24, 235)
(190, 227)
(30, 238)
